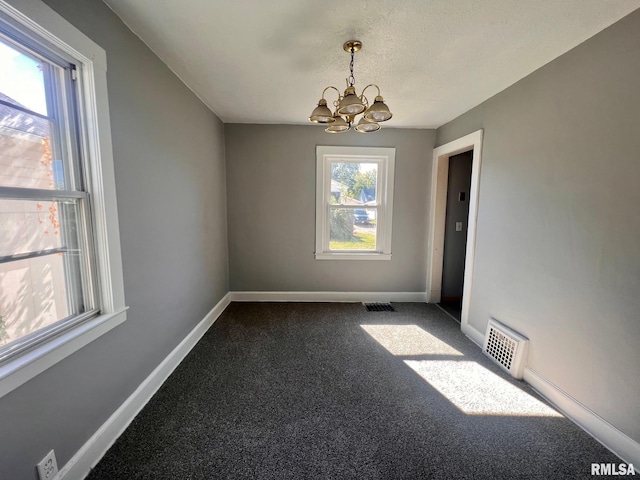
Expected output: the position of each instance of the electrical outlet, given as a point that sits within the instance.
(48, 467)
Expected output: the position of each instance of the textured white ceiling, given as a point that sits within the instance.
(267, 61)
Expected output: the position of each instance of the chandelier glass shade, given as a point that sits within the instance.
(321, 114)
(365, 125)
(350, 104)
(338, 125)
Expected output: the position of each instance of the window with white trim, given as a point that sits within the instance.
(60, 266)
(354, 202)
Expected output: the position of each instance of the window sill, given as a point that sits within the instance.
(17, 371)
(353, 256)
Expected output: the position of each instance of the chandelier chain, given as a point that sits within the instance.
(352, 79)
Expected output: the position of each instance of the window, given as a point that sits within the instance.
(354, 203)
(60, 265)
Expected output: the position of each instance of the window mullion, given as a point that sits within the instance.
(20, 193)
(26, 110)
(38, 253)
(352, 206)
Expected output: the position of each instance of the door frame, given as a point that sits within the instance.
(437, 214)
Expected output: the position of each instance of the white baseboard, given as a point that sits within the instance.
(476, 336)
(328, 296)
(94, 449)
(608, 435)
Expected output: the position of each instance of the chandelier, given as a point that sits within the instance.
(349, 105)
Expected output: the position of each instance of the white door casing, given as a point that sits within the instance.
(437, 213)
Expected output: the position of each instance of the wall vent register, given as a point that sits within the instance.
(379, 307)
(506, 347)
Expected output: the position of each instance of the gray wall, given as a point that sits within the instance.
(558, 240)
(271, 181)
(455, 243)
(170, 180)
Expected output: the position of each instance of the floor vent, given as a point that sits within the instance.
(379, 307)
(506, 347)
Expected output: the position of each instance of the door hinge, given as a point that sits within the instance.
(74, 72)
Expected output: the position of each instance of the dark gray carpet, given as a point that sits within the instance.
(302, 391)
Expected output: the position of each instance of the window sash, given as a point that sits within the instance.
(75, 243)
(60, 90)
(327, 242)
(380, 173)
(18, 193)
(327, 234)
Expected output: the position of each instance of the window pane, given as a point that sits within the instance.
(33, 295)
(38, 287)
(29, 226)
(26, 155)
(353, 183)
(352, 229)
(21, 79)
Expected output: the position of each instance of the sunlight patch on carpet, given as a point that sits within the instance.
(478, 391)
(408, 340)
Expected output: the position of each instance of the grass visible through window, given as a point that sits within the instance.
(359, 241)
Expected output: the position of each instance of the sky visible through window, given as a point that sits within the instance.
(21, 79)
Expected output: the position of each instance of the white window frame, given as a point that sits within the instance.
(43, 24)
(385, 158)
